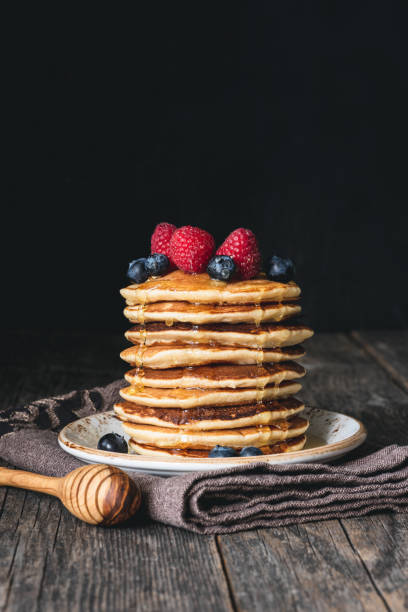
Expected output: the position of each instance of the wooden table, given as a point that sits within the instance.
(51, 561)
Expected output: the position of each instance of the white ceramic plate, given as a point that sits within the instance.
(330, 435)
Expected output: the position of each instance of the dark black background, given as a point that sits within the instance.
(287, 118)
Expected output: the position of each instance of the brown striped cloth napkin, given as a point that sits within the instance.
(223, 501)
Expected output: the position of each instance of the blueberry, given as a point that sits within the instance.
(157, 264)
(222, 451)
(250, 451)
(280, 269)
(113, 442)
(137, 270)
(221, 267)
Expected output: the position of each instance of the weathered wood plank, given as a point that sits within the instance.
(152, 567)
(305, 567)
(381, 542)
(319, 566)
(27, 521)
(390, 350)
(341, 376)
(62, 563)
(49, 560)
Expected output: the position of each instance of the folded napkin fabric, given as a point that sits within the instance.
(223, 501)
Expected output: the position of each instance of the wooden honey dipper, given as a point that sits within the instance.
(97, 494)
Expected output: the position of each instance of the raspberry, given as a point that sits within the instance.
(191, 248)
(242, 246)
(160, 242)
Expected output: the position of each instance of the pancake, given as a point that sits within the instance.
(166, 437)
(289, 446)
(179, 355)
(207, 417)
(191, 398)
(200, 288)
(253, 336)
(199, 314)
(214, 376)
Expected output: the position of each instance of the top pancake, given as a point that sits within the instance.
(200, 288)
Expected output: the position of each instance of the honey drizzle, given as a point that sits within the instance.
(259, 356)
(260, 381)
(278, 379)
(280, 312)
(139, 356)
(260, 391)
(194, 331)
(139, 387)
(141, 313)
(142, 335)
(259, 309)
(258, 315)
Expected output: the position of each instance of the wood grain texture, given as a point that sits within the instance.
(381, 543)
(99, 494)
(57, 562)
(321, 566)
(49, 560)
(343, 377)
(28, 480)
(96, 494)
(390, 350)
(305, 567)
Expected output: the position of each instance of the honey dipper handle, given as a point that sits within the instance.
(29, 480)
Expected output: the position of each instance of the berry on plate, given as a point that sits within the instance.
(157, 264)
(242, 246)
(222, 451)
(191, 248)
(137, 270)
(221, 267)
(160, 242)
(280, 269)
(250, 451)
(113, 443)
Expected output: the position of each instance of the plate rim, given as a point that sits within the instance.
(351, 442)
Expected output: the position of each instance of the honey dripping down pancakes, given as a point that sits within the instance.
(213, 362)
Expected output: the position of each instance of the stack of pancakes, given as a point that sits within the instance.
(213, 363)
